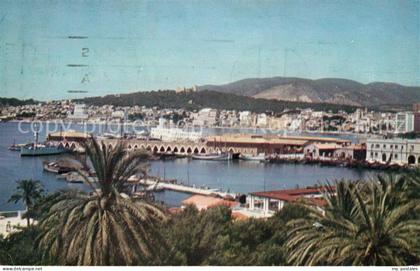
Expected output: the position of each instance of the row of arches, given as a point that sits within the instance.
(169, 149)
(412, 160)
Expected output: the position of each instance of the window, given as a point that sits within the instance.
(384, 146)
(376, 154)
(392, 146)
(396, 156)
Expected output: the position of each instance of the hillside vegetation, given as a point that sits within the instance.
(202, 99)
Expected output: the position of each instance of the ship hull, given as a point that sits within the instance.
(213, 157)
(41, 151)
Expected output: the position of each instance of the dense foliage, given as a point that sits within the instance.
(375, 222)
(212, 99)
(15, 102)
(106, 226)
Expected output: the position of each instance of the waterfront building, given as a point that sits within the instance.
(351, 152)
(268, 202)
(268, 144)
(320, 151)
(397, 150)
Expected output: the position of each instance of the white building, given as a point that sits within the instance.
(397, 150)
(404, 122)
(79, 113)
(206, 117)
(262, 120)
(245, 118)
(166, 133)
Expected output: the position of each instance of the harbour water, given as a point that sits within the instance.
(235, 176)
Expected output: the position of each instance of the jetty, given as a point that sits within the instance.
(182, 188)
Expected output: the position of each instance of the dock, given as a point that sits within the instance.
(183, 188)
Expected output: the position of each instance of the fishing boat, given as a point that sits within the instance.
(250, 157)
(220, 156)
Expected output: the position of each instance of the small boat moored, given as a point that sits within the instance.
(249, 157)
(221, 156)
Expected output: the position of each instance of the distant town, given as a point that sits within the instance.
(360, 121)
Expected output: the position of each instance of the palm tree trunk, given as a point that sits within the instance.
(28, 220)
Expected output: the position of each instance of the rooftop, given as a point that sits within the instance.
(291, 195)
(204, 202)
(273, 139)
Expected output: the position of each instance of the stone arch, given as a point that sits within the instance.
(418, 160)
(176, 149)
(110, 146)
(196, 150)
(148, 148)
(162, 149)
(203, 150)
(189, 150)
(73, 146)
(168, 149)
(182, 150)
(67, 145)
(231, 150)
(129, 146)
(155, 149)
(411, 159)
(61, 145)
(383, 157)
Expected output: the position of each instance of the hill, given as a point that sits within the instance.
(329, 90)
(15, 102)
(203, 99)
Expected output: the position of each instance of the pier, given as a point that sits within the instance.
(182, 188)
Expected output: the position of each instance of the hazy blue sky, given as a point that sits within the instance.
(149, 45)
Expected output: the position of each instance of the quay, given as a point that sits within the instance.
(233, 143)
(182, 188)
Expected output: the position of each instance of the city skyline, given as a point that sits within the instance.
(49, 48)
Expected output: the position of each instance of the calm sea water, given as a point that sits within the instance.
(235, 176)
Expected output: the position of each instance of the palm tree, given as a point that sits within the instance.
(27, 191)
(105, 227)
(362, 224)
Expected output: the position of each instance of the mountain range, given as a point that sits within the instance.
(328, 90)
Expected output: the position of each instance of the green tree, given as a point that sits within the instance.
(193, 234)
(364, 223)
(106, 226)
(27, 191)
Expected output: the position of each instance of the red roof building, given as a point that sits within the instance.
(271, 201)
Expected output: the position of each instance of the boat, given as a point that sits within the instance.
(16, 147)
(250, 157)
(51, 167)
(57, 167)
(220, 156)
(35, 149)
(41, 149)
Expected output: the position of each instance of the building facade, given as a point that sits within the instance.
(397, 150)
(404, 122)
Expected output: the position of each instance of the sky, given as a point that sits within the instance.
(149, 45)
